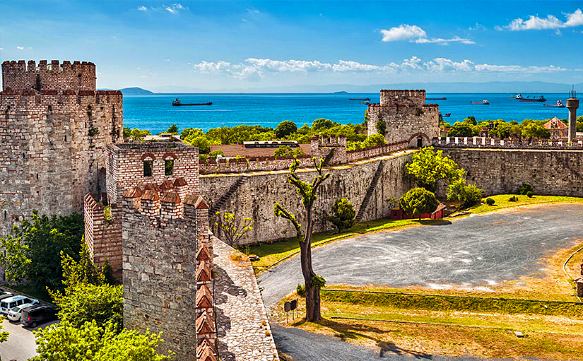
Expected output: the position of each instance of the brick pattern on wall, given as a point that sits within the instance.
(550, 172)
(20, 75)
(52, 149)
(406, 116)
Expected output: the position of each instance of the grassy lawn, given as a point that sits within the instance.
(503, 202)
(426, 322)
(271, 254)
(421, 322)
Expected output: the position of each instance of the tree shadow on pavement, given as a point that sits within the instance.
(345, 331)
(434, 222)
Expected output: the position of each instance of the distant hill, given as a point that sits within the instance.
(135, 91)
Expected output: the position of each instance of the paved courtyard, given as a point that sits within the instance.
(476, 251)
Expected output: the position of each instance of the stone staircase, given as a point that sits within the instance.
(228, 194)
(371, 187)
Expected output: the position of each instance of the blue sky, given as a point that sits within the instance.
(266, 45)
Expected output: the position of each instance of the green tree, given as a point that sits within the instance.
(90, 342)
(381, 126)
(200, 141)
(284, 152)
(173, 129)
(87, 296)
(471, 120)
(342, 215)
(467, 194)
(428, 167)
(308, 192)
(285, 128)
(323, 123)
(534, 130)
(36, 245)
(417, 201)
(232, 228)
(3, 334)
(461, 129)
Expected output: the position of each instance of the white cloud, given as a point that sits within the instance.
(260, 67)
(441, 41)
(174, 8)
(20, 47)
(534, 22)
(415, 34)
(142, 8)
(403, 32)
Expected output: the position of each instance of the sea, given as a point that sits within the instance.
(156, 113)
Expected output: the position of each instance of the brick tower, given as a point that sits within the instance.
(54, 130)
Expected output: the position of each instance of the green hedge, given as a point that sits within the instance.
(454, 303)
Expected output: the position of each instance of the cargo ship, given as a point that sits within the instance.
(177, 103)
(520, 98)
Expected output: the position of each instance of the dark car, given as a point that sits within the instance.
(37, 315)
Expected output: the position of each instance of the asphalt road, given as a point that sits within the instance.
(473, 252)
(20, 345)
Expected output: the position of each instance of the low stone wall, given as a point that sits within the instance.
(355, 155)
(243, 331)
(486, 142)
(244, 165)
(550, 172)
(370, 182)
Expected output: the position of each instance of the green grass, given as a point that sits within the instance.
(439, 302)
(503, 202)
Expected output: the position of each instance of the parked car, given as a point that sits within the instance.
(37, 315)
(15, 312)
(9, 302)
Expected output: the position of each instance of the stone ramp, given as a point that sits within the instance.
(243, 329)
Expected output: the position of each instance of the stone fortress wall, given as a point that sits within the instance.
(53, 138)
(550, 172)
(406, 116)
(368, 184)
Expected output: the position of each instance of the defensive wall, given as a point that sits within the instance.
(503, 170)
(369, 184)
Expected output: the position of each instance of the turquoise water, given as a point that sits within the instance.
(156, 113)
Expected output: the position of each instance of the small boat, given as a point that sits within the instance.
(558, 104)
(482, 102)
(447, 115)
(437, 98)
(528, 99)
(177, 103)
(361, 99)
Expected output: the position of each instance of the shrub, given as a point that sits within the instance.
(301, 290)
(467, 194)
(529, 194)
(285, 152)
(418, 200)
(513, 199)
(343, 214)
(490, 201)
(524, 189)
(285, 128)
(381, 126)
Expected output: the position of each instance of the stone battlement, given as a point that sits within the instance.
(402, 97)
(486, 142)
(22, 75)
(163, 203)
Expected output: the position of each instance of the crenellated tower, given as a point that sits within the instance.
(54, 130)
(405, 117)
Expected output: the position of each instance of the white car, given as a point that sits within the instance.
(15, 313)
(10, 302)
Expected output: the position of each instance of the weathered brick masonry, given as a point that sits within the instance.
(552, 172)
(368, 184)
(53, 138)
(406, 116)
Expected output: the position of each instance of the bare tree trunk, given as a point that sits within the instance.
(312, 291)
